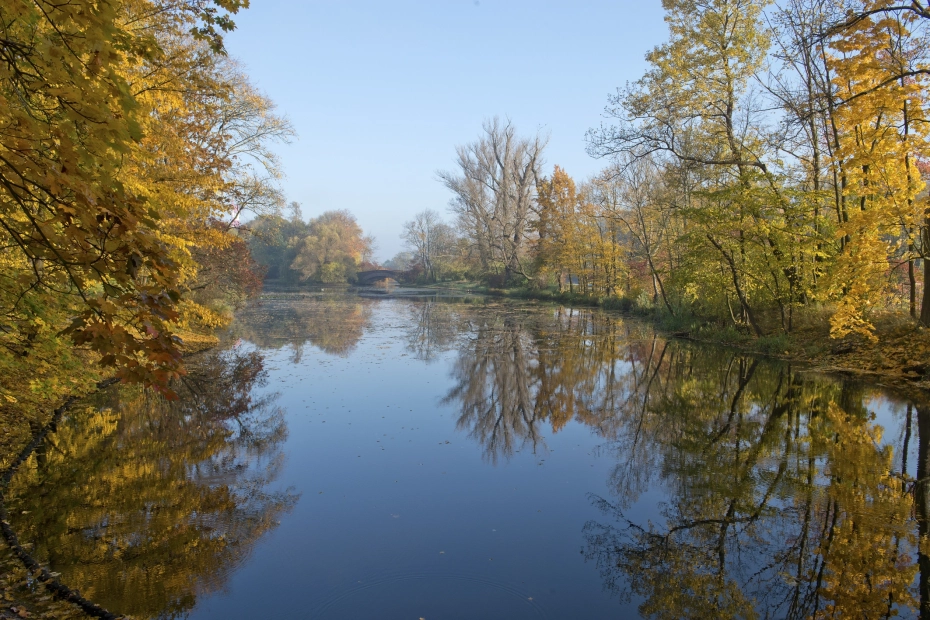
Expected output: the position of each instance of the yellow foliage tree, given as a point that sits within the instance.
(881, 135)
(124, 134)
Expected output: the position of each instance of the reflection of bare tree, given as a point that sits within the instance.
(145, 504)
(517, 372)
(434, 328)
(637, 465)
(495, 388)
(333, 324)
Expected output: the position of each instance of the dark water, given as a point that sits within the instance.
(351, 457)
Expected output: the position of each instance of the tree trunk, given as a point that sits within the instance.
(658, 287)
(747, 311)
(921, 499)
(912, 281)
(925, 303)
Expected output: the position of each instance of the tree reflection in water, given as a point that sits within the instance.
(434, 327)
(495, 388)
(517, 372)
(782, 499)
(145, 504)
(332, 324)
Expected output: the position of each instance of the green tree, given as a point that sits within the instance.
(273, 241)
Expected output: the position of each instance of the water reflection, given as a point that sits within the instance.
(518, 375)
(333, 324)
(782, 498)
(434, 327)
(145, 504)
(494, 387)
(736, 487)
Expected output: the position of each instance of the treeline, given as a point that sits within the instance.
(329, 249)
(768, 165)
(129, 145)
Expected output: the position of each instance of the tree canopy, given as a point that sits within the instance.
(332, 249)
(129, 143)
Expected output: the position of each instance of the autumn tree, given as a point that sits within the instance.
(556, 227)
(126, 140)
(879, 67)
(333, 249)
(206, 158)
(693, 106)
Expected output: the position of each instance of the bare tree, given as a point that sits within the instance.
(633, 193)
(494, 194)
(431, 241)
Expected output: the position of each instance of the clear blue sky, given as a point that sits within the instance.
(380, 93)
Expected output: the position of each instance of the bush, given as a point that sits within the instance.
(775, 344)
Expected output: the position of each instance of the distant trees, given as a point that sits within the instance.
(330, 248)
(273, 241)
(333, 248)
(494, 191)
(402, 261)
(431, 241)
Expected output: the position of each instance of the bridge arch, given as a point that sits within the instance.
(365, 278)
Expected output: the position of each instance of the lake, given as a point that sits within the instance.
(407, 456)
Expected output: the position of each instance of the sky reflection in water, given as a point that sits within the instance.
(409, 458)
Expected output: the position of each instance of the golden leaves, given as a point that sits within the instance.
(879, 140)
(116, 160)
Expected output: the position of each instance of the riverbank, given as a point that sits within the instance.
(899, 358)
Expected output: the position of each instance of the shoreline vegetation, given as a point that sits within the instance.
(899, 358)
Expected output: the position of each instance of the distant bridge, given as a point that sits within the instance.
(366, 278)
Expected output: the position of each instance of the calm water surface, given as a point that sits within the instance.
(358, 457)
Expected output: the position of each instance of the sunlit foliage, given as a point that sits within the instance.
(129, 143)
(332, 249)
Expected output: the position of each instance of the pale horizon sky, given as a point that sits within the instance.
(381, 93)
